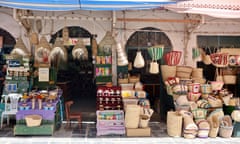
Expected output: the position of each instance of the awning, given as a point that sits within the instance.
(67, 5)
(214, 8)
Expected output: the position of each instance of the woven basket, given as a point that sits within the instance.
(217, 85)
(204, 128)
(168, 71)
(34, 38)
(144, 119)
(215, 102)
(186, 69)
(229, 79)
(225, 131)
(197, 72)
(182, 74)
(123, 81)
(33, 120)
(194, 87)
(206, 88)
(174, 124)
(132, 116)
(199, 80)
(199, 114)
(134, 79)
(193, 96)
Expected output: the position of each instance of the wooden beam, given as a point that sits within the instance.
(158, 20)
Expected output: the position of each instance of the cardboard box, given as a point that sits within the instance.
(138, 132)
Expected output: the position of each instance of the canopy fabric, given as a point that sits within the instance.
(214, 8)
(95, 5)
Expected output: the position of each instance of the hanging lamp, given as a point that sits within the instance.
(105, 45)
(58, 50)
(20, 48)
(80, 51)
(43, 50)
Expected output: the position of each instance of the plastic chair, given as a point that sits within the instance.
(70, 115)
(10, 108)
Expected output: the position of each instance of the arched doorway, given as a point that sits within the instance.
(141, 40)
(7, 43)
(79, 73)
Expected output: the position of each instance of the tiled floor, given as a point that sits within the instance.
(87, 135)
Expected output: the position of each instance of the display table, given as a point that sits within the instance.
(51, 119)
(110, 122)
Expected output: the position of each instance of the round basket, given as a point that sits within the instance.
(186, 69)
(230, 79)
(194, 87)
(217, 85)
(197, 72)
(182, 74)
(168, 71)
(199, 80)
(193, 96)
(225, 131)
(206, 88)
(33, 120)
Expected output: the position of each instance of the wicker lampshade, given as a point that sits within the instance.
(105, 45)
(80, 51)
(42, 50)
(20, 48)
(58, 51)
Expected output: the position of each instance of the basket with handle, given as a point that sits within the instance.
(33, 120)
(219, 59)
(168, 71)
(173, 58)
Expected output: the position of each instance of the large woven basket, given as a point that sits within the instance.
(229, 79)
(197, 72)
(174, 124)
(168, 71)
(186, 69)
(33, 120)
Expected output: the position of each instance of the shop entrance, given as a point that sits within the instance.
(76, 77)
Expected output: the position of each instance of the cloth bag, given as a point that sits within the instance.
(154, 67)
(139, 60)
(174, 124)
(132, 116)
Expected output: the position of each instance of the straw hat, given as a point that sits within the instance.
(20, 48)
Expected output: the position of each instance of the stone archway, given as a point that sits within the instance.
(153, 83)
(79, 73)
(143, 39)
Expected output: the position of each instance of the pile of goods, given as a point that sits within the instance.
(201, 109)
